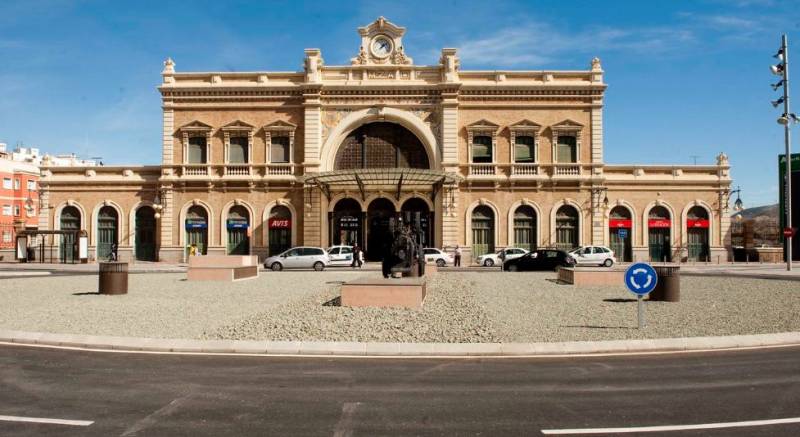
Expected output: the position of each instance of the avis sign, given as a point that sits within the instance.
(279, 223)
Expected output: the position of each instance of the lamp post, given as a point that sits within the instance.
(157, 205)
(782, 69)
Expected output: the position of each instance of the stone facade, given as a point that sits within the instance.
(470, 123)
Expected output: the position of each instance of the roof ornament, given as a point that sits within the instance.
(722, 159)
(169, 66)
(596, 64)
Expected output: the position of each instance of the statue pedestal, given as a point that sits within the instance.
(405, 292)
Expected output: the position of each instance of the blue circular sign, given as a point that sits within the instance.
(641, 278)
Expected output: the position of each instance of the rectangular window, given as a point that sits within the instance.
(482, 149)
(6, 236)
(16, 184)
(31, 185)
(279, 149)
(524, 149)
(7, 183)
(237, 152)
(197, 150)
(16, 210)
(6, 209)
(566, 149)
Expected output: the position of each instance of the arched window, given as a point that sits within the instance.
(381, 145)
(481, 149)
(279, 227)
(567, 227)
(197, 150)
(697, 227)
(70, 220)
(238, 227)
(107, 229)
(145, 234)
(620, 232)
(566, 149)
(525, 222)
(197, 228)
(237, 152)
(659, 229)
(483, 223)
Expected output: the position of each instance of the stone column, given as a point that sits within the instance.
(167, 222)
(312, 219)
(450, 218)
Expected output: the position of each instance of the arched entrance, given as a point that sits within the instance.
(279, 226)
(347, 223)
(70, 220)
(620, 233)
(145, 234)
(197, 228)
(107, 231)
(697, 225)
(380, 215)
(525, 222)
(567, 227)
(483, 222)
(238, 226)
(415, 210)
(659, 225)
(381, 145)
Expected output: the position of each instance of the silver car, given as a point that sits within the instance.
(299, 258)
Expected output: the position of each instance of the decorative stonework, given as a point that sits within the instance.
(381, 31)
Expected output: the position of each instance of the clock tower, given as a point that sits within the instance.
(381, 44)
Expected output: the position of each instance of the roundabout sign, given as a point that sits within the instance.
(641, 279)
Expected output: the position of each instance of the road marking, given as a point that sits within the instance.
(400, 357)
(670, 427)
(46, 420)
(23, 273)
(153, 418)
(344, 428)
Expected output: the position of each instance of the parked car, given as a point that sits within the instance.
(299, 258)
(509, 253)
(594, 255)
(341, 255)
(438, 256)
(542, 259)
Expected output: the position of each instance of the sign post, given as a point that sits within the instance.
(641, 279)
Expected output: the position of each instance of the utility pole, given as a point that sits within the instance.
(787, 140)
(786, 119)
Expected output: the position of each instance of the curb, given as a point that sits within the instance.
(403, 350)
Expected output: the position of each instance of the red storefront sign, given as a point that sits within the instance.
(620, 223)
(659, 223)
(279, 223)
(788, 232)
(698, 223)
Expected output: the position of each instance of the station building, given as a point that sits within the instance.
(256, 162)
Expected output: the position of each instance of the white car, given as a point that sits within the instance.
(341, 255)
(594, 255)
(299, 258)
(491, 259)
(438, 256)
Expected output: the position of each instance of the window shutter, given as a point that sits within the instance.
(524, 149)
(280, 149)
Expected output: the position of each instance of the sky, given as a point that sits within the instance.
(687, 79)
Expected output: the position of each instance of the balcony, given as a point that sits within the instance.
(279, 170)
(482, 169)
(195, 170)
(526, 169)
(566, 170)
(237, 170)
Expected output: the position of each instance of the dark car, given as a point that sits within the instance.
(542, 259)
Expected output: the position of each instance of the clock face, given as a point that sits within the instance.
(381, 46)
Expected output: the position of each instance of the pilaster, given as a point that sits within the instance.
(312, 130)
(167, 217)
(449, 140)
(167, 157)
(597, 133)
(312, 222)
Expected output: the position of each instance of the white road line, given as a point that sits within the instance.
(46, 420)
(670, 427)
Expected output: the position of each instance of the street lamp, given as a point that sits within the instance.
(782, 69)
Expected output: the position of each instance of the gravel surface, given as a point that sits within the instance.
(460, 307)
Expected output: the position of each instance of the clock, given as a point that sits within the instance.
(381, 46)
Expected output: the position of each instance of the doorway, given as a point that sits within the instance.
(380, 215)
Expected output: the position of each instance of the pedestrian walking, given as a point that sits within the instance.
(458, 257)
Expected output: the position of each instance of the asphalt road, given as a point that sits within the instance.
(183, 395)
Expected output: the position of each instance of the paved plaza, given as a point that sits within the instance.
(460, 307)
